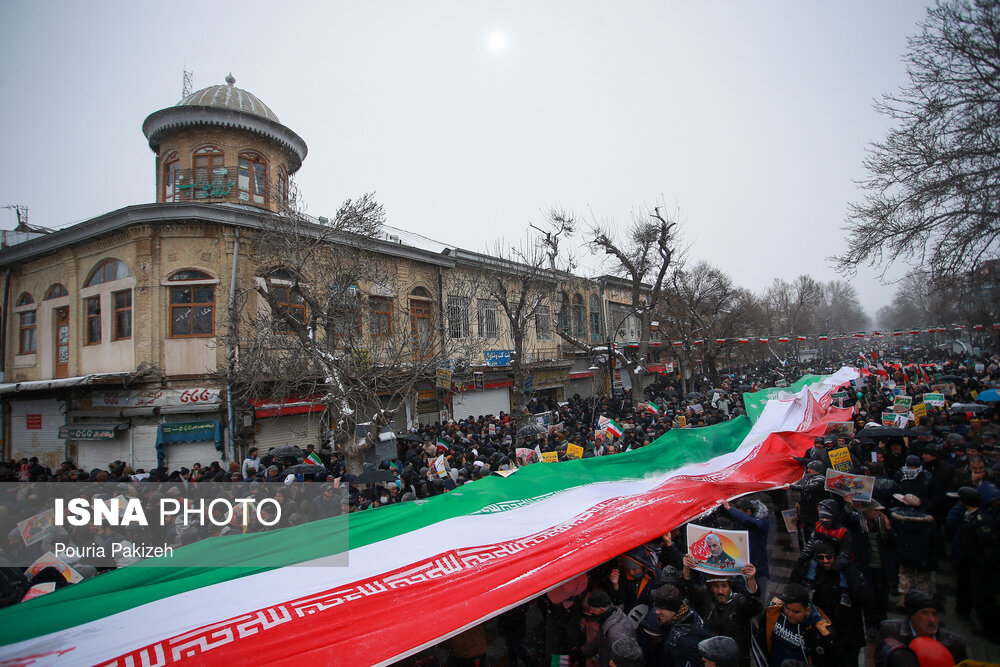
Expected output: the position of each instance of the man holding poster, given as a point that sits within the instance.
(729, 612)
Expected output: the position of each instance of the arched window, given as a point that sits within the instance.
(120, 303)
(106, 271)
(171, 166)
(27, 323)
(287, 300)
(579, 317)
(192, 304)
(596, 330)
(209, 173)
(565, 316)
(252, 178)
(55, 291)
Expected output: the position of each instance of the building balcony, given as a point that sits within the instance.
(228, 184)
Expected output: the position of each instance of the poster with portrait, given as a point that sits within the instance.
(791, 519)
(49, 559)
(526, 456)
(36, 528)
(718, 551)
(845, 429)
(859, 487)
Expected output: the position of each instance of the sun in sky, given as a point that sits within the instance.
(497, 41)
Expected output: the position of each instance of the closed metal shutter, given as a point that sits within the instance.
(144, 446)
(186, 454)
(99, 453)
(297, 430)
(583, 386)
(475, 403)
(34, 430)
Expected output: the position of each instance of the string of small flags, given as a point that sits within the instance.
(858, 335)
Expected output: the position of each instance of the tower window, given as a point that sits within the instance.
(252, 178)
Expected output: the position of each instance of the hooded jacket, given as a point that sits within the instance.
(637, 591)
(811, 641)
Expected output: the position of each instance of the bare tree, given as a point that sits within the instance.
(323, 320)
(791, 306)
(933, 185)
(706, 311)
(919, 302)
(839, 309)
(643, 257)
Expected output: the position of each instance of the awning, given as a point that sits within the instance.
(41, 385)
(89, 431)
(194, 431)
(293, 405)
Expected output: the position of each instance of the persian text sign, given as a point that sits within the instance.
(840, 459)
(935, 400)
(497, 357)
(149, 398)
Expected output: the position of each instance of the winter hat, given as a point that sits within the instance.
(626, 653)
(912, 461)
(909, 499)
(969, 496)
(816, 466)
(828, 509)
(722, 650)
(917, 600)
(988, 493)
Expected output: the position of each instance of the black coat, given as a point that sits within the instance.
(915, 535)
(732, 618)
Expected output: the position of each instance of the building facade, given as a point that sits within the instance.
(116, 331)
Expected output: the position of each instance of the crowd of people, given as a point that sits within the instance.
(935, 499)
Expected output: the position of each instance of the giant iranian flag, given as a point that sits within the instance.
(421, 571)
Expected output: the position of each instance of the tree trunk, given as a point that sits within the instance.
(520, 399)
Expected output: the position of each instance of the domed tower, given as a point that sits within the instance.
(222, 144)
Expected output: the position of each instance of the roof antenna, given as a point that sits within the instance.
(186, 89)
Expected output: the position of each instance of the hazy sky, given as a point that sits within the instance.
(470, 119)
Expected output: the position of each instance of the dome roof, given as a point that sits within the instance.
(228, 96)
(225, 106)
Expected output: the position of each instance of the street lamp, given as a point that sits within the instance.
(611, 352)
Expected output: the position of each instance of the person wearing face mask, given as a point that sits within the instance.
(829, 528)
(795, 629)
